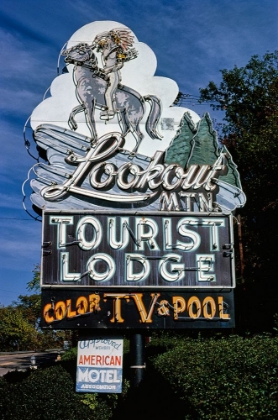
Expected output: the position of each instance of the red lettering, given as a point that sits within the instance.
(86, 359)
(118, 360)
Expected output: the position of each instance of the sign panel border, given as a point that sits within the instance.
(172, 258)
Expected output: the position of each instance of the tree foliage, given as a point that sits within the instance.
(19, 322)
(34, 284)
(16, 333)
(30, 305)
(248, 96)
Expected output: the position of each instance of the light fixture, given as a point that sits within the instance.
(33, 362)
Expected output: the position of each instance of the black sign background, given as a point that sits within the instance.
(77, 258)
(87, 309)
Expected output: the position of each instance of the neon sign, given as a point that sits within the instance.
(141, 310)
(136, 194)
(152, 250)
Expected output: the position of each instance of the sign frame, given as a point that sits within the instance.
(64, 235)
(100, 365)
(130, 311)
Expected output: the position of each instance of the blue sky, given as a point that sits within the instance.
(192, 40)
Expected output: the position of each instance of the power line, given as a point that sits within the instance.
(15, 218)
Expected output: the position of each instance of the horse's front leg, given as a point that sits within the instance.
(89, 113)
(71, 121)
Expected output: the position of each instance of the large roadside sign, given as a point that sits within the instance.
(137, 196)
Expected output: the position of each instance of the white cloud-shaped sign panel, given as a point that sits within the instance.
(113, 139)
(136, 74)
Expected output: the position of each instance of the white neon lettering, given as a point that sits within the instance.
(65, 275)
(62, 223)
(96, 237)
(101, 276)
(194, 237)
(147, 231)
(108, 169)
(214, 225)
(124, 235)
(205, 264)
(176, 270)
(145, 267)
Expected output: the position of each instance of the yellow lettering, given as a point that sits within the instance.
(163, 309)
(194, 301)
(81, 305)
(117, 309)
(46, 312)
(221, 308)
(60, 310)
(145, 317)
(209, 302)
(179, 305)
(71, 313)
(94, 303)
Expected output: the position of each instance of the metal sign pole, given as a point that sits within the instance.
(137, 352)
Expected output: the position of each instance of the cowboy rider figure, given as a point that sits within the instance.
(115, 47)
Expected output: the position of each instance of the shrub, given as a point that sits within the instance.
(231, 378)
(48, 394)
(70, 354)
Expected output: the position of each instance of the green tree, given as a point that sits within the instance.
(20, 322)
(34, 284)
(248, 97)
(16, 333)
(30, 305)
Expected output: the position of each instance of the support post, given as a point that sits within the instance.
(240, 244)
(137, 353)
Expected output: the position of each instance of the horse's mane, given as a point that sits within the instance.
(80, 53)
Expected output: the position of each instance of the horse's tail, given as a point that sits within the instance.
(153, 117)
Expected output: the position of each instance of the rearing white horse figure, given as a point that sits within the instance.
(100, 88)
